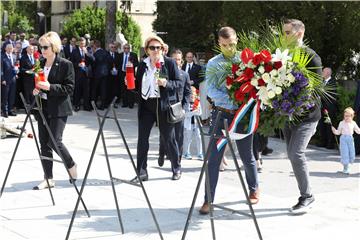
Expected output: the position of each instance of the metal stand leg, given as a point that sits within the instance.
(101, 120)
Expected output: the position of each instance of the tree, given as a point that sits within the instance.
(92, 20)
(110, 31)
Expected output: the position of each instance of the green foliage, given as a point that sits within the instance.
(92, 20)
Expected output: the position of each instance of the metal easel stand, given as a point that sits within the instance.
(28, 109)
(204, 170)
(101, 120)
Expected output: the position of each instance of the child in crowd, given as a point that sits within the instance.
(346, 129)
(191, 126)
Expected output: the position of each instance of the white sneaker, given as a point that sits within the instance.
(44, 184)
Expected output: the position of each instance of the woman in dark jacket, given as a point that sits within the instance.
(158, 81)
(55, 94)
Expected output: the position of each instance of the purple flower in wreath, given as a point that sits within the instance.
(275, 104)
(285, 105)
(299, 103)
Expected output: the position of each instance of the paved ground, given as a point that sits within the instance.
(28, 214)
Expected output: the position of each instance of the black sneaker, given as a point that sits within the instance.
(303, 205)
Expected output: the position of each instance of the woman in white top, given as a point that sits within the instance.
(346, 129)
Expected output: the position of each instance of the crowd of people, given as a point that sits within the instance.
(82, 71)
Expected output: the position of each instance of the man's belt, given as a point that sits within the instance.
(225, 110)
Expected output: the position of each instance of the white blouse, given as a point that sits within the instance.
(149, 86)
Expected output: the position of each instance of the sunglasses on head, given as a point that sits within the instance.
(44, 47)
(153, 48)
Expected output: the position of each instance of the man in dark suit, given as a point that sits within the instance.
(327, 138)
(125, 57)
(27, 62)
(81, 60)
(193, 69)
(184, 95)
(8, 81)
(69, 48)
(11, 40)
(114, 78)
(101, 70)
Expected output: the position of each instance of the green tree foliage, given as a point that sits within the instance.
(332, 27)
(92, 20)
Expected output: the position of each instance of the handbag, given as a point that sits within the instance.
(176, 113)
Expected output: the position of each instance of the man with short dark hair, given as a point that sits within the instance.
(297, 136)
(224, 106)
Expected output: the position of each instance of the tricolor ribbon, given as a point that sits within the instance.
(240, 113)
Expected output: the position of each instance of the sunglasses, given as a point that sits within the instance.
(153, 48)
(44, 47)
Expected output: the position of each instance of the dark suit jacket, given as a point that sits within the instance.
(7, 69)
(184, 93)
(195, 74)
(62, 81)
(168, 94)
(76, 58)
(115, 62)
(101, 64)
(132, 57)
(67, 51)
(330, 104)
(25, 64)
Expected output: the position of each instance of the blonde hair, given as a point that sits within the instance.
(52, 38)
(350, 111)
(153, 38)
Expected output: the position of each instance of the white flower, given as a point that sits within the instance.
(281, 56)
(271, 94)
(238, 72)
(266, 77)
(274, 73)
(278, 90)
(254, 82)
(290, 78)
(263, 94)
(261, 69)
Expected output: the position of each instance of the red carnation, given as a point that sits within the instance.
(36, 55)
(158, 65)
(257, 59)
(277, 65)
(265, 56)
(248, 73)
(229, 80)
(246, 55)
(239, 96)
(261, 82)
(234, 68)
(268, 68)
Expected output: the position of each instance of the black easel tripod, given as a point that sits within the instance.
(101, 120)
(28, 109)
(204, 170)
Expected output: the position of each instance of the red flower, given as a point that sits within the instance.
(246, 55)
(36, 55)
(265, 56)
(248, 73)
(261, 82)
(253, 93)
(239, 96)
(234, 68)
(158, 65)
(277, 64)
(268, 68)
(257, 59)
(229, 80)
(246, 87)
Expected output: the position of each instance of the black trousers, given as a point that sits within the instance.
(57, 126)
(28, 87)
(149, 113)
(327, 138)
(82, 90)
(179, 135)
(128, 96)
(114, 88)
(99, 85)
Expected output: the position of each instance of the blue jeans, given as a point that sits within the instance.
(347, 149)
(244, 147)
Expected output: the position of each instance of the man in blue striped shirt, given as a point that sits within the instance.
(223, 104)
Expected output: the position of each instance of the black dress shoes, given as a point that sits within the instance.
(143, 177)
(176, 176)
(267, 151)
(161, 160)
(5, 115)
(76, 108)
(124, 105)
(12, 114)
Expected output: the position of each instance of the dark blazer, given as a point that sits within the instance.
(115, 62)
(7, 69)
(132, 57)
(330, 104)
(62, 81)
(101, 64)
(168, 94)
(76, 58)
(195, 74)
(67, 51)
(25, 64)
(184, 93)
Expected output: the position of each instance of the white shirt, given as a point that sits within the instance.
(187, 66)
(149, 86)
(347, 128)
(327, 80)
